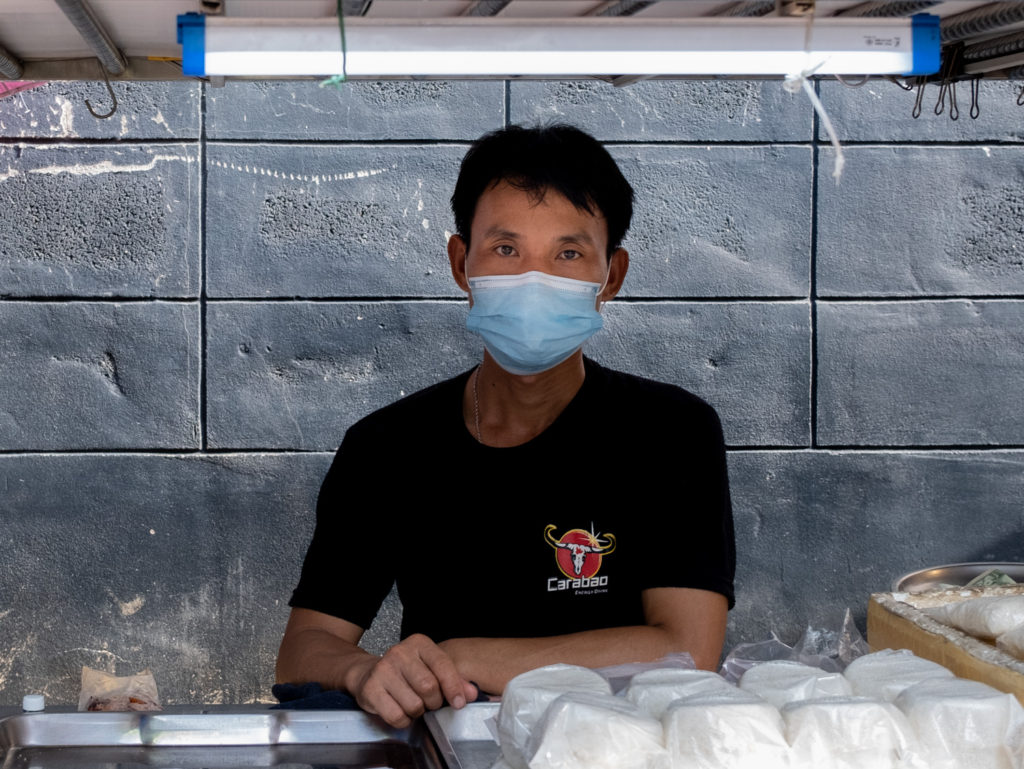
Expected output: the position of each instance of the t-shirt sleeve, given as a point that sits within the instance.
(346, 571)
(700, 549)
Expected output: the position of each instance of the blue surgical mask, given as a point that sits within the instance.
(533, 321)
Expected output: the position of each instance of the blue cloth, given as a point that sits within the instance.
(311, 696)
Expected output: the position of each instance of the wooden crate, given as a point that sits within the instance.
(893, 624)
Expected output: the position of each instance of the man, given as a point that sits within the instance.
(536, 509)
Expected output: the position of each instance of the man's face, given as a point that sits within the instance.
(513, 233)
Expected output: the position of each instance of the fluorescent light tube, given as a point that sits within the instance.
(492, 47)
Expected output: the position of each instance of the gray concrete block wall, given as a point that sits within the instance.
(198, 296)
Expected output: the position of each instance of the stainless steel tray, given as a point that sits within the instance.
(343, 739)
(952, 574)
(463, 737)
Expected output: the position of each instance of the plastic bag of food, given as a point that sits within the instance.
(961, 723)
(1012, 642)
(727, 729)
(619, 676)
(526, 698)
(583, 730)
(848, 733)
(886, 673)
(654, 690)
(105, 691)
(985, 617)
(784, 681)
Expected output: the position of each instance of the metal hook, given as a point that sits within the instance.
(948, 85)
(1020, 97)
(113, 98)
(916, 112)
(940, 103)
(975, 92)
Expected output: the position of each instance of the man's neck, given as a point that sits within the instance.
(503, 409)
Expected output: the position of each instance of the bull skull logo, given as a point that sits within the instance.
(579, 552)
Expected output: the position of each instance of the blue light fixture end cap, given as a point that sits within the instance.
(192, 38)
(927, 44)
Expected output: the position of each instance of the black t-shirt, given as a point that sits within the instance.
(626, 490)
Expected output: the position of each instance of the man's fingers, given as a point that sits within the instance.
(453, 686)
(382, 699)
(412, 677)
(390, 711)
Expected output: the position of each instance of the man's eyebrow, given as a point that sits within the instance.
(572, 237)
(577, 237)
(499, 232)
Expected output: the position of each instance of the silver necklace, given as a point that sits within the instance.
(476, 405)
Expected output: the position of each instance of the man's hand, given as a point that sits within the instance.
(412, 677)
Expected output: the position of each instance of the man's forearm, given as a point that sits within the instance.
(492, 662)
(678, 620)
(316, 655)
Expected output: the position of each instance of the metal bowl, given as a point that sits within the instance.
(952, 574)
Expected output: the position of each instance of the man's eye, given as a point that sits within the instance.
(506, 250)
(570, 254)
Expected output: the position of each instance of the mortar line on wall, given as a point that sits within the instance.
(87, 141)
(86, 299)
(812, 295)
(700, 143)
(674, 142)
(933, 298)
(203, 442)
(737, 449)
(459, 300)
(200, 453)
(678, 299)
(678, 141)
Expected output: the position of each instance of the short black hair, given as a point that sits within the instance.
(556, 157)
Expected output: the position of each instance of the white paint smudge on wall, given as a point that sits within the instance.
(159, 120)
(107, 167)
(67, 116)
(9, 174)
(312, 178)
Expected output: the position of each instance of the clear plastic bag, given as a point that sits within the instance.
(619, 676)
(830, 649)
(105, 691)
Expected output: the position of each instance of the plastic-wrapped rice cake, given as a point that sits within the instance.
(581, 730)
(654, 690)
(784, 681)
(725, 730)
(985, 617)
(961, 723)
(885, 674)
(847, 733)
(1012, 642)
(526, 698)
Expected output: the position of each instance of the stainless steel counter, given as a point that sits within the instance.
(237, 738)
(200, 740)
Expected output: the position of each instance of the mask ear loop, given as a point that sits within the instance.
(598, 301)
